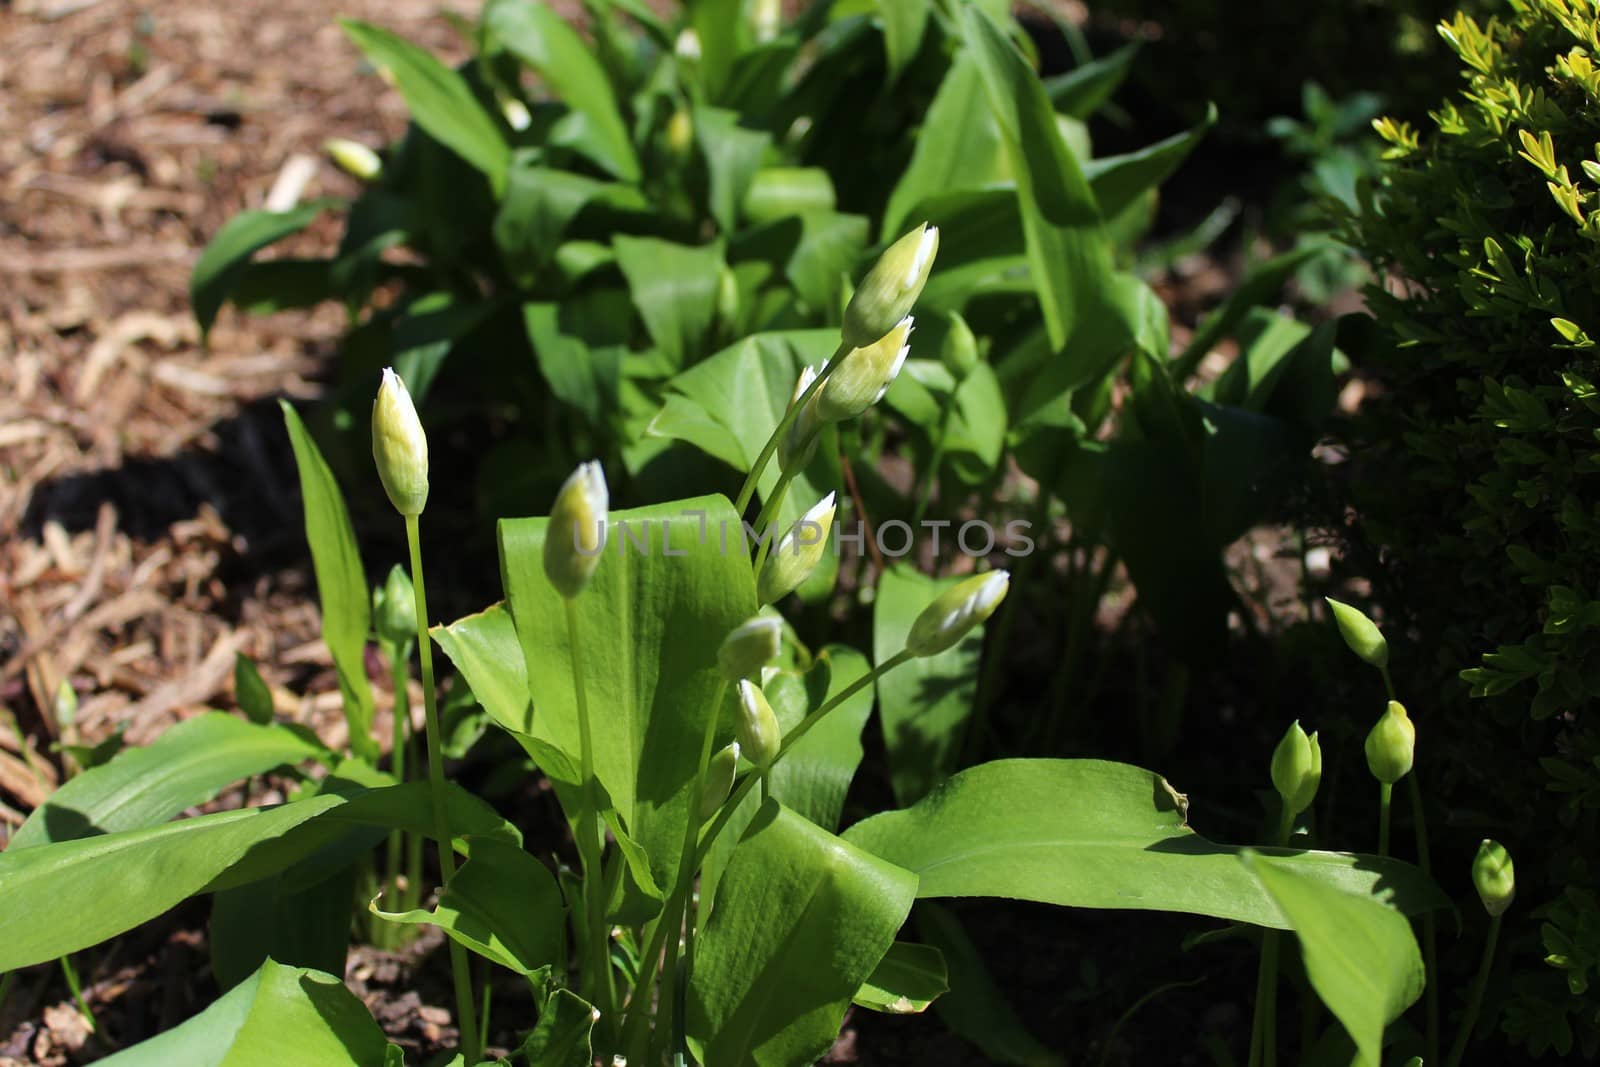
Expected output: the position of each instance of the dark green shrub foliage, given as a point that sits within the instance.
(1476, 466)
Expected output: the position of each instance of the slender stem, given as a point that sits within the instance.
(1475, 997)
(397, 763)
(597, 979)
(488, 994)
(73, 984)
(1264, 1027)
(465, 1017)
(1430, 963)
(1385, 797)
(769, 517)
(749, 487)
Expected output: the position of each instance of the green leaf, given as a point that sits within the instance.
(428, 330)
(1360, 955)
(925, 704)
(905, 981)
(224, 261)
(1260, 284)
(904, 23)
(280, 1015)
(958, 148)
(581, 377)
(539, 37)
(1118, 181)
(717, 24)
(250, 691)
(280, 919)
(732, 154)
(502, 904)
(485, 650)
(650, 623)
(674, 288)
(540, 201)
(1083, 91)
(561, 1036)
(141, 787)
(441, 101)
(68, 895)
(267, 286)
(803, 921)
(1092, 834)
(974, 1008)
(341, 582)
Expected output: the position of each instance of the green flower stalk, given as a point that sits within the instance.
(1296, 770)
(400, 451)
(891, 287)
(760, 736)
(577, 533)
(399, 447)
(1495, 879)
(1361, 635)
(864, 375)
(1391, 746)
(354, 158)
(797, 554)
(956, 611)
(750, 646)
(720, 773)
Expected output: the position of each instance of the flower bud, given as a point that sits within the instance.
(399, 447)
(800, 443)
(891, 287)
(956, 611)
(516, 113)
(577, 532)
(864, 375)
(687, 46)
(750, 646)
(354, 158)
(757, 727)
(394, 608)
(1392, 745)
(720, 773)
(796, 555)
(1361, 634)
(960, 352)
(680, 132)
(1297, 768)
(766, 20)
(1494, 877)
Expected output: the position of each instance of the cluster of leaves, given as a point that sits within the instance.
(1475, 465)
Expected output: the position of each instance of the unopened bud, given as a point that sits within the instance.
(797, 554)
(399, 447)
(766, 20)
(960, 352)
(1392, 745)
(750, 646)
(394, 608)
(64, 708)
(354, 158)
(577, 532)
(1360, 633)
(891, 287)
(1494, 877)
(680, 131)
(720, 773)
(864, 375)
(956, 611)
(516, 113)
(687, 46)
(728, 298)
(800, 443)
(757, 727)
(1297, 768)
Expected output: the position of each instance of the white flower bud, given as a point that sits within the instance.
(720, 772)
(956, 611)
(796, 555)
(687, 46)
(864, 375)
(399, 447)
(354, 158)
(891, 287)
(760, 736)
(750, 646)
(577, 532)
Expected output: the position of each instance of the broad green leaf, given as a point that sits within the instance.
(224, 261)
(1360, 955)
(535, 34)
(904, 23)
(803, 921)
(280, 1015)
(440, 100)
(1118, 181)
(279, 919)
(561, 1036)
(141, 787)
(974, 434)
(779, 192)
(974, 1007)
(717, 24)
(666, 592)
(814, 776)
(732, 154)
(923, 705)
(580, 376)
(674, 288)
(959, 148)
(905, 981)
(267, 286)
(341, 582)
(251, 692)
(502, 904)
(485, 650)
(1084, 90)
(830, 244)
(1092, 834)
(68, 895)
(428, 330)
(540, 201)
